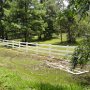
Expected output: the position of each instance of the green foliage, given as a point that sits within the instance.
(68, 24)
(25, 19)
(80, 7)
(82, 53)
(84, 26)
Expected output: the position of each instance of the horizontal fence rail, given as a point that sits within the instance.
(55, 51)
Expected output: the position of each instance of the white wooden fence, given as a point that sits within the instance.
(55, 51)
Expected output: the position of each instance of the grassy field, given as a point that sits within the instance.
(55, 40)
(20, 71)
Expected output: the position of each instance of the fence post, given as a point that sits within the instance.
(49, 50)
(67, 52)
(6, 43)
(37, 48)
(19, 45)
(26, 46)
(12, 44)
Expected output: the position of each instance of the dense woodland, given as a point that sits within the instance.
(24, 19)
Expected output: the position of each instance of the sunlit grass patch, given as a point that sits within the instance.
(11, 81)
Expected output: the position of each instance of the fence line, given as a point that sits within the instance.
(42, 49)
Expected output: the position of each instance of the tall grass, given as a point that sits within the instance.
(11, 81)
(21, 72)
(47, 86)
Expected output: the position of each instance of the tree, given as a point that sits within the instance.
(50, 18)
(22, 15)
(1, 17)
(38, 24)
(68, 22)
(6, 22)
(81, 7)
(82, 53)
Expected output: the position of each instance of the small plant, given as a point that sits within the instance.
(81, 54)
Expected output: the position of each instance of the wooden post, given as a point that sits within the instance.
(37, 48)
(19, 45)
(67, 52)
(12, 44)
(6, 43)
(49, 50)
(26, 46)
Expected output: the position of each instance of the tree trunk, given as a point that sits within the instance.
(25, 22)
(70, 37)
(6, 36)
(25, 35)
(40, 37)
(61, 35)
(1, 31)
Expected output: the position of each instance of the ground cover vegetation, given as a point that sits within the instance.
(20, 71)
(45, 21)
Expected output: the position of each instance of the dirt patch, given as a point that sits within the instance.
(66, 66)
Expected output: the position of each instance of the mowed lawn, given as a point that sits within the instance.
(21, 71)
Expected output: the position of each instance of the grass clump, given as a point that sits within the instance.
(11, 81)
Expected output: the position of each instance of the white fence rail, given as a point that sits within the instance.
(55, 51)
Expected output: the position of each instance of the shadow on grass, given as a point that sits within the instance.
(65, 43)
(43, 86)
(83, 79)
(42, 40)
(47, 86)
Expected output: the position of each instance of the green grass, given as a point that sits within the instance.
(20, 71)
(55, 40)
(11, 81)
